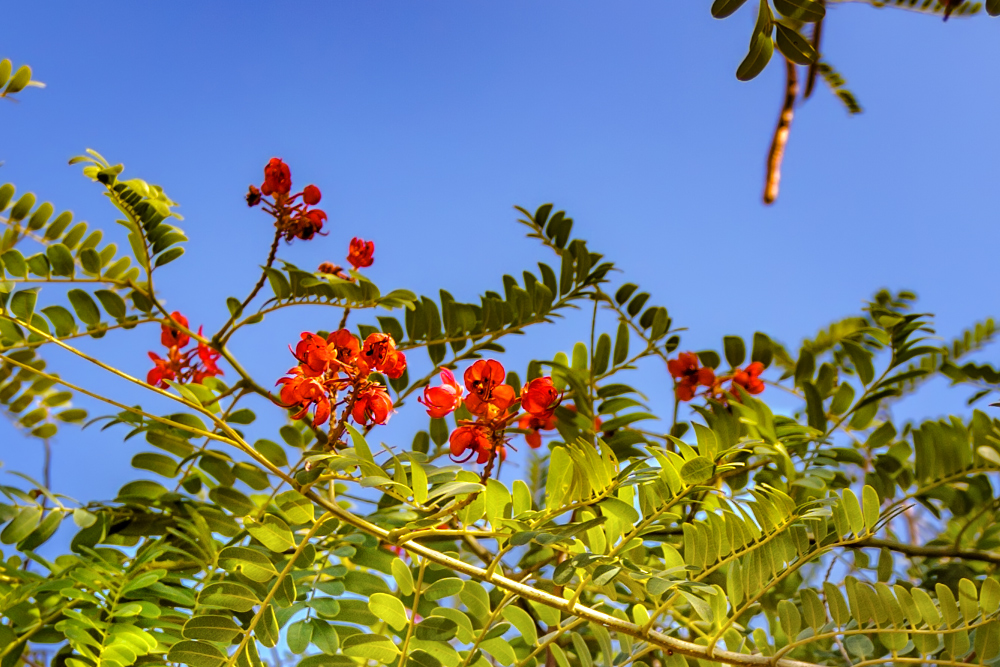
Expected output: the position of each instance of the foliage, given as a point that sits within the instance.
(724, 533)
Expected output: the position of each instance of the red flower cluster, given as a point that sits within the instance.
(749, 378)
(688, 376)
(361, 253)
(489, 399)
(293, 219)
(341, 362)
(182, 365)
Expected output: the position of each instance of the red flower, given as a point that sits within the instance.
(305, 226)
(311, 195)
(305, 393)
(346, 349)
(253, 196)
(372, 405)
(487, 396)
(313, 354)
(443, 400)
(208, 357)
(361, 253)
(380, 354)
(277, 178)
(749, 379)
(471, 439)
(171, 337)
(533, 425)
(540, 397)
(686, 371)
(161, 372)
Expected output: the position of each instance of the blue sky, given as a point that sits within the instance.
(424, 123)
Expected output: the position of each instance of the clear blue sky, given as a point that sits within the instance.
(424, 123)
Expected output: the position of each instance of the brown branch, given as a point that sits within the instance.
(929, 552)
(780, 140)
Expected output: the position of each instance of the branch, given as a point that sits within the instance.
(780, 140)
(930, 552)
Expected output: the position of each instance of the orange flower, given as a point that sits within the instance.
(372, 405)
(277, 178)
(313, 354)
(443, 400)
(171, 337)
(311, 195)
(469, 441)
(688, 375)
(346, 349)
(540, 397)
(306, 393)
(380, 354)
(749, 379)
(533, 425)
(361, 253)
(487, 396)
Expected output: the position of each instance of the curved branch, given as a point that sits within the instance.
(781, 132)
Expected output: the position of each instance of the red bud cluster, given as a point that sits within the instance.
(293, 218)
(180, 365)
(688, 375)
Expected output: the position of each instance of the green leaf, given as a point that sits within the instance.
(279, 284)
(22, 207)
(211, 628)
(862, 360)
(436, 628)
(61, 260)
(272, 451)
(476, 600)
(228, 595)
(42, 533)
(273, 533)
(22, 525)
(295, 506)
(20, 79)
(113, 304)
(736, 351)
(389, 609)
(697, 470)
(168, 256)
(13, 262)
(761, 50)
(443, 588)
(794, 46)
(22, 304)
(808, 11)
(196, 654)
(161, 464)
(870, 506)
(523, 622)
(814, 407)
(84, 306)
(404, 578)
(371, 647)
(723, 8)
(298, 636)
(854, 515)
